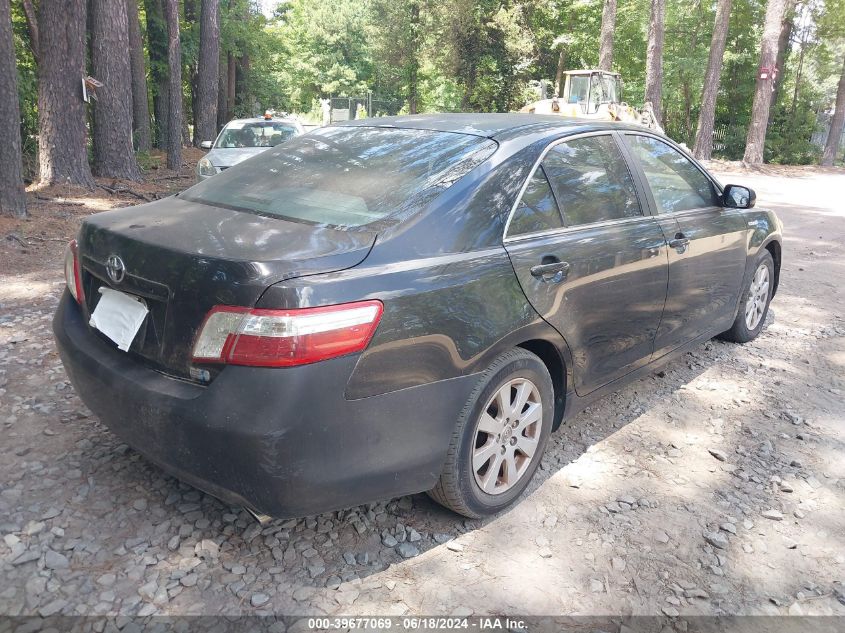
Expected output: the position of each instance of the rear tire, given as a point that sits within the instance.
(754, 306)
(500, 437)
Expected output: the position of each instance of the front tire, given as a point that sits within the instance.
(500, 437)
(754, 306)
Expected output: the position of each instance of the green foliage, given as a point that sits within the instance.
(480, 55)
(788, 140)
(27, 92)
(689, 28)
(323, 50)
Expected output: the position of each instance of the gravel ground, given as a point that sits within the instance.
(716, 486)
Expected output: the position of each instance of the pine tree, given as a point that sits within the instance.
(756, 139)
(174, 86)
(654, 58)
(113, 153)
(608, 27)
(62, 139)
(707, 115)
(834, 135)
(207, 72)
(157, 46)
(12, 197)
(140, 103)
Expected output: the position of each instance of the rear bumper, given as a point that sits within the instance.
(282, 441)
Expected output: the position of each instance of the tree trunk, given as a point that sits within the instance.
(157, 45)
(654, 58)
(62, 138)
(207, 71)
(140, 104)
(174, 110)
(802, 47)
(703, 147)
(786, 27)
(161, 112)
(686, 91)
(561, 62)
(836, 124)
(231, 76)
(608, 27)
(193, 104)
(189, 72)
(243, 102)
(186, 130)
(414, 62)
(114, 156)
(222, 93)
(12, 196)
(756, 139)
(32, 26)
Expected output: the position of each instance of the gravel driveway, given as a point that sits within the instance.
(716, 486)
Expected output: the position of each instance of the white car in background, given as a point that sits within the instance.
(243, 138)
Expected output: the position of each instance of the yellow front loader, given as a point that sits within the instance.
(594, 94)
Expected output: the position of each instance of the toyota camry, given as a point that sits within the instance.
(407, 304)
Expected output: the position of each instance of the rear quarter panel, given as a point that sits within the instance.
(444, 316)
(452, 301)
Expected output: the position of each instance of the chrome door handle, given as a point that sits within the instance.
(554, 272)
(679, 242)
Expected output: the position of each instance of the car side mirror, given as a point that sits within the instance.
(206, 144)
(738, 197)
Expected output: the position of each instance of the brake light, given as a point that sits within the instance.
(73, 272)
(283, 338)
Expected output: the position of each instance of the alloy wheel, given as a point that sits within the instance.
(758, 297)
(507, 436)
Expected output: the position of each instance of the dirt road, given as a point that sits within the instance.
(714, 487)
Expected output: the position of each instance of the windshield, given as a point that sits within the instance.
(612, 88)
(345, 176)
(579, 88)
(255, 134)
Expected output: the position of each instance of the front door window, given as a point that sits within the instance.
(676, 183)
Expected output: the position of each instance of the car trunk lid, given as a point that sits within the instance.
(183, 257)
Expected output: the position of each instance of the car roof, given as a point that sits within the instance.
(490, 125)
(261, 119)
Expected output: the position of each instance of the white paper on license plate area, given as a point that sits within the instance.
(119, 316)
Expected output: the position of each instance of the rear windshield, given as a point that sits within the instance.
(255, 134)
(345, 176)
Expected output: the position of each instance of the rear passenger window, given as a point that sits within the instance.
(537, 210)
(591, 181)
(677, 184)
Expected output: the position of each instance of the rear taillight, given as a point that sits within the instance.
(282, 338)
(73, 272)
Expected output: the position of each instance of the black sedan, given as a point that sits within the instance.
(404, 305)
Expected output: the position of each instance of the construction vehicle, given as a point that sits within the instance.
(594, 94)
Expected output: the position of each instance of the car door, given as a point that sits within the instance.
(589, 257)
(708, 243)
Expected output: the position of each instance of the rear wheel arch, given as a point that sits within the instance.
(555, 364)
(458, 486)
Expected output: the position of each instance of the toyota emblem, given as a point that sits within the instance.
(115, 268)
